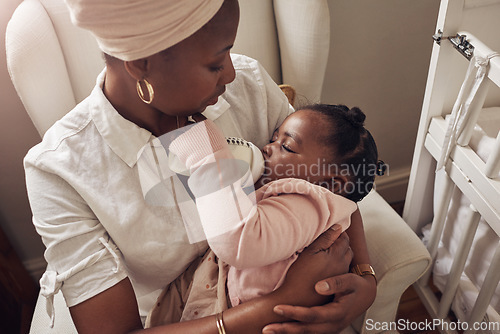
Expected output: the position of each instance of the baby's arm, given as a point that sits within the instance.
(289, 214)
(282, 225)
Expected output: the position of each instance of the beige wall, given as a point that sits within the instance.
(379, 56)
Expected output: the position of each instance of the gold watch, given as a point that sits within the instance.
(363, 270)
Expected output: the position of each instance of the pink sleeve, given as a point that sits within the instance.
(290, 215)
(200, 141)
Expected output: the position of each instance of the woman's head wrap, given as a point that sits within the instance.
(134, 29)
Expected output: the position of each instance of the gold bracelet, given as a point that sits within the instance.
(220, 323)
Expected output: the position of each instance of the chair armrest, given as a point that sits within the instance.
(397, 255)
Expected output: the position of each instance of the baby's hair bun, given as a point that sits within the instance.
(356, 117)
(381, 168)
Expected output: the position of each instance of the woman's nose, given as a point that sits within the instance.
(228, 73)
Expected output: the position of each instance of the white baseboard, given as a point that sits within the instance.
(392, 186)
(35, 267)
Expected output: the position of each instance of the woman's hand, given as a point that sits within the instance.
(317, 262)
(353, 295)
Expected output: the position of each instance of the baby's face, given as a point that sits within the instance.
(296, 150)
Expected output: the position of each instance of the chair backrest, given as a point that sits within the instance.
(53, 64)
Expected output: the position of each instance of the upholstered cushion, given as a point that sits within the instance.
(304, 42)
(69, 57)
(397, 254)
(257, 36)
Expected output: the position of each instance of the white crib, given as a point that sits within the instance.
(463, 199)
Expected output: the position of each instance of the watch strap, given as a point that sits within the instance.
(363, 270)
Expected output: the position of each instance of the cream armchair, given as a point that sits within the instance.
(53, 66)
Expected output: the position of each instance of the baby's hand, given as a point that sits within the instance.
(325, 240)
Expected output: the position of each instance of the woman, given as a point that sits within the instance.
(109, 251)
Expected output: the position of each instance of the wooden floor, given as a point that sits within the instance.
(410, 307)
(412, 310)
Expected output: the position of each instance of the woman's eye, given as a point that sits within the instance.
(217, 68)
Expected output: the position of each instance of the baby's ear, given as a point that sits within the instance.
(338, 184)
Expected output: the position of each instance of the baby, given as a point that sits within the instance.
(318, 163)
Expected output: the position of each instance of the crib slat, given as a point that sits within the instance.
(458, 264)
(493, 164)
(487, 290)
(469, 177)
(438, 224)
(475, 110)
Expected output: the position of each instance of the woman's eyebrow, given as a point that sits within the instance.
(227, 48)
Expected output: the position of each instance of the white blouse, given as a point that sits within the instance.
(89, 205)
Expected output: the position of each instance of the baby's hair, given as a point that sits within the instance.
(353, 147)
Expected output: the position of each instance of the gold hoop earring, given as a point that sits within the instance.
(140, 92)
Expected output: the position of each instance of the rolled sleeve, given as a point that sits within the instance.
(83, 264)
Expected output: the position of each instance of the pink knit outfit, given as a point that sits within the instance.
(259, 234)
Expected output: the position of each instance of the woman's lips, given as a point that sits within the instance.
(214, 99)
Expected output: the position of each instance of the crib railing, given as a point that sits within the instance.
(457, 181)
(480, 183)
(492, 167)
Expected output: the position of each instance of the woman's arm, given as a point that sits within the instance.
(356, 234)
(115, 310)
(353, 295)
